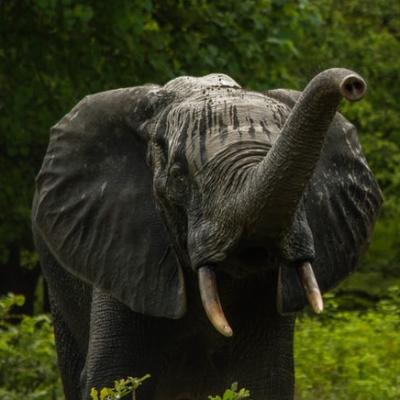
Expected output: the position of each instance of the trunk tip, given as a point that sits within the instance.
(353, 87)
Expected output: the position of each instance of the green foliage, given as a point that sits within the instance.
(121, 389)
(365, 36)
(54, 52)
(28, 367)
(350, 355)
(124, 387)
(232, 394)
(339, 355)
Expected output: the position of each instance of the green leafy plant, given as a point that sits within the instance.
(262, 44)
(339, 355)
(121, 389)
(350, 355)
(232, 394)
(28, 367)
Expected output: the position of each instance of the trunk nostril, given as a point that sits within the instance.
(353, 88)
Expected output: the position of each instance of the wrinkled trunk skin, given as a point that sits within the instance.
(279, 181)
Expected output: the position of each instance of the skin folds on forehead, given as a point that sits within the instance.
(216, 114)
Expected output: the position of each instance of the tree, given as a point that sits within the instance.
(54, 52)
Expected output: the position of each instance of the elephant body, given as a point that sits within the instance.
(100, 340)
(143, 188)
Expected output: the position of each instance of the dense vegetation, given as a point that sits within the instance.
(53, 52)
(344, 355)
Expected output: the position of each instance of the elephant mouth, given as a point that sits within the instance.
(210, 298)
(238, 258)
(249, 261)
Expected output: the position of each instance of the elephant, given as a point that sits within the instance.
(181, 227)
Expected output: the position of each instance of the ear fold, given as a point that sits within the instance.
(342, 202)
(94, 206)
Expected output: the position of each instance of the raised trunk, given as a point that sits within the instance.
(278, 182)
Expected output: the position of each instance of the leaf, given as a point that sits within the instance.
(94, 394)
(106, 394)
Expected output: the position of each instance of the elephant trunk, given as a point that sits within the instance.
(278, 182)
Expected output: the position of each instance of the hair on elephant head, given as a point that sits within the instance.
(143, 189)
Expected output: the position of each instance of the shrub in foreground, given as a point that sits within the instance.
(28, 367)
(350, 355)
(340, 355)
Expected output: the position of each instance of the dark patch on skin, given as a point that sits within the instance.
(193, 134)
(282, 115)
(194, 131)
(275, 115)
(179, 119)
(223, 131)
(162, 126)
(252, 131)
(227, 87)
(235, 118)
(183, 138)
(202, 136)
(215, 118)
(209, 116)
(265, 129)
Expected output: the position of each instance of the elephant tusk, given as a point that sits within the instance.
(211, 302)
(311, 288)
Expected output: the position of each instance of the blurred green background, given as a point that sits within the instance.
(54, 52)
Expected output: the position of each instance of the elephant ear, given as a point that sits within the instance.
(94, 206)
(341, 203)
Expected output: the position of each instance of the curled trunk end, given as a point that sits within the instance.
(279, 181)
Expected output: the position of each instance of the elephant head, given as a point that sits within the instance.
(142, 185)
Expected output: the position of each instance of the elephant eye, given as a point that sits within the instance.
(176, 170)
(177, 184)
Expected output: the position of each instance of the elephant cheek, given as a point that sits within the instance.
(210, 243)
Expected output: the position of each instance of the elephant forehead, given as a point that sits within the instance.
(203, 126)
(186, 85)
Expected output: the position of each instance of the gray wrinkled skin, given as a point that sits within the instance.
(142, 186)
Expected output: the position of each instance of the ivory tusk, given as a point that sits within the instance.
(211, 302)
(311, 287)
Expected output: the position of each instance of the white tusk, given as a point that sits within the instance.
(311, 287)
(211, 302)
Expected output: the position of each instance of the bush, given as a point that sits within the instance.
(28, 367)
(233, 394)
(122, 388)
(339, 355)
(350, 355)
